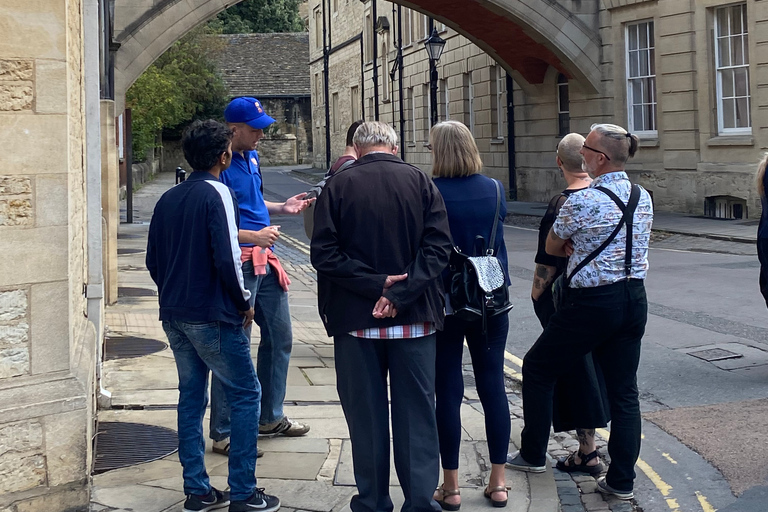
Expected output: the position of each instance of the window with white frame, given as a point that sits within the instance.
(407, 18)
(410, 116)
(499, 95)
(368, 37)
(335, 119)
(444, 100)
(563, 106)
(641, 78)
(318, 28)
(424, 27)
(427, 111)
(470, 102)
(385, 68)
(354, 98)
(732, 68)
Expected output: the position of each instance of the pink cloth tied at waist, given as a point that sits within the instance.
(260, 260)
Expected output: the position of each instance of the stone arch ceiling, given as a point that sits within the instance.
(527, 36)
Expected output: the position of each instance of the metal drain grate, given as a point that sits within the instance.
(119, 445)
(129, 291)
(128, 250)
(121, 347)
(715, 354)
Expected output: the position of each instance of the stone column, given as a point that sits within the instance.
(110, 196)
(46, 342)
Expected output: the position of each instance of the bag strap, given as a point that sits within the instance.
(492, 242)
(625, 209)
(345, 165)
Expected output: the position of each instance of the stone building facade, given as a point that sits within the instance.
(48, 329)
(687, 77)
(273, 68)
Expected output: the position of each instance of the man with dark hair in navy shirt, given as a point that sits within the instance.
(194, 258)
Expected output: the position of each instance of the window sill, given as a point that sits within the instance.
(731, 140)
(648, 143)
(410, 144)
(497, 140)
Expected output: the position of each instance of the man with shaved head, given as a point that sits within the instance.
(603, 308)
(579, 402)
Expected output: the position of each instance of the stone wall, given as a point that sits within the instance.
(683, 164)
(278, 150)
(46, 342)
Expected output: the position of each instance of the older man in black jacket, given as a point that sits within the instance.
(381, 240)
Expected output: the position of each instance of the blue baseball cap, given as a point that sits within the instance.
(249, 111)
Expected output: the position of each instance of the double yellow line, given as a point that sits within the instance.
(664, 488)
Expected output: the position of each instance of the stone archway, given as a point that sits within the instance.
(526, 36)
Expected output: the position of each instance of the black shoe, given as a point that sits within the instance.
(258, 501)
(215, 499)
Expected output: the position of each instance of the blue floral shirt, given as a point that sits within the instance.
(588, 217)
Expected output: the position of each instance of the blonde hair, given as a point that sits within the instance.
(760, 175)
(454, 151)
(568, 150)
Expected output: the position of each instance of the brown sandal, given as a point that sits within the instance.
(489, 494)
(448, 492)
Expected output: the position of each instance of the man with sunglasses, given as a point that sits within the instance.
(604, 309)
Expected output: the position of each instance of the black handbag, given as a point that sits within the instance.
(477, 286)
(561, 284)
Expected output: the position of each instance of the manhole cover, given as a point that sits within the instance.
(715, 354)
(128, 291)
(119, 347)
(128, 250)
(129, 236)
(119, 445)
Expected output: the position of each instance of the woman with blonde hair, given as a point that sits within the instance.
(471, 202)
(762, 230)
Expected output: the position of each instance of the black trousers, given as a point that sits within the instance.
(610, 322)
(762, 255)
(362, 366)
(580, 399)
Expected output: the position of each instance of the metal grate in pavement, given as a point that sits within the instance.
(128, 250)
(130, 291)
(715, 354)
(120, 445)
(121, 347)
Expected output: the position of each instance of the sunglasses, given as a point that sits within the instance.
(597, 151)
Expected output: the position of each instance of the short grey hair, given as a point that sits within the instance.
(569, 151)
(619, 143)
(375, 133)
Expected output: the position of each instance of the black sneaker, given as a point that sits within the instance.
(215, 499)
(258, 501)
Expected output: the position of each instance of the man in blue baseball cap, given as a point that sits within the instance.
(264, 276)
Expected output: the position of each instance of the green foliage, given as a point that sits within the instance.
(180, 86)
(183, 84)
(259, 16)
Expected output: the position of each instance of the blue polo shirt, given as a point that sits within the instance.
(244, 177)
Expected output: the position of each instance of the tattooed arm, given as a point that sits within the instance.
(556, 245)
(542, 278)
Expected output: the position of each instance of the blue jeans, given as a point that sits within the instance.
(270, 304)
(488, 365)
(223, 349)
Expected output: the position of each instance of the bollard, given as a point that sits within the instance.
(181, 175)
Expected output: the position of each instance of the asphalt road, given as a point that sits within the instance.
(703, 296)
